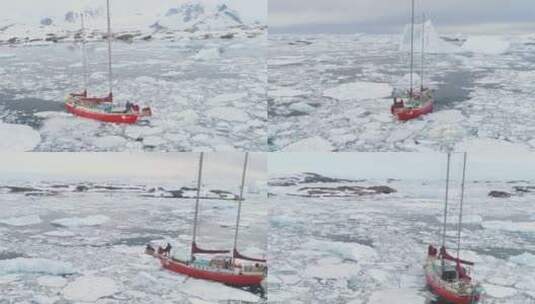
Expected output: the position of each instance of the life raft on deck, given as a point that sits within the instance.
(450, 282)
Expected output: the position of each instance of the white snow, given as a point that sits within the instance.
(486, 44)
(35, 265)
(316, 144)
(18, 138)
(525, 258)
(401, 295)
(359, 91)
(94, 220)
(90, 288)
(26, 220)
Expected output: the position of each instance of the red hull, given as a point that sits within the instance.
(405, 114)
(105, 117)
(222, 277)
(447, 295)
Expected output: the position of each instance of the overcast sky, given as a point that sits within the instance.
(499, 166)
(138, 167)
(387, 16)
(250, 10)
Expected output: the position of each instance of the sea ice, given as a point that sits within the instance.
(208, 54)
(510, 226)
(496, 291)
(18, 138)
(316, 144)
(90, 289)
(52, 281)
(21, 220)
(228, 113)
(94, 220)
(525, 258)
(401, 295)
(35, 265)
(491, 45)
(359, 91)
(218, 292)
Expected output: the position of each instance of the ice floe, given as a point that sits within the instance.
(90, 288)
(316, 144)
(359, 91)
(18, 138)
(510, 226)
(94, 220)
(218, 292)
(36, 265)
(525, 258)
(26, 220)
(401, 295)
(486, 44)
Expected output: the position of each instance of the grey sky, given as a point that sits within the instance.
(387, 16)
(250, 10)
(219, 168)
(481, 166)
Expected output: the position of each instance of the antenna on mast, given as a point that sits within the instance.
(196, 216)
(110, 75)
(240, 199)
(461, 209)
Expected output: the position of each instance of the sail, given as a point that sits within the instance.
(237, 255)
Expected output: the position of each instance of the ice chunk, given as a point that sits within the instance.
(18, 138)
(350, 251)
(401, 295)
(332, 271)
(286, 92)
(90, 289)
(224, 98)
(510, 226)
(432, 42)
(359, 91)
(218, 292)
(316, 144)
(109, 142)
(21, 221)
(228, 113)
(496, 291)
(93, 220)
(51, 281)
(208, 54)
(491, 45)
(35, 265)
(525, 258)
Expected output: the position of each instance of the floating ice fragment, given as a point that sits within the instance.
(90, 289)
(402, 295)
(21, 221)
(18, 138)
(359, 91)
(316, 144)
(491, 45)
(525, 258)
(35, 265)
(94, 220)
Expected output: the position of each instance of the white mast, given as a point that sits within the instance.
(84, 51)
(240, 199)
(423, 52)
(461, 209)
(412, 48)
(196, 216)
(446, 201)
(110, 76)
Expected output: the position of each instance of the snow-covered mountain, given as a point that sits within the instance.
(191, 17)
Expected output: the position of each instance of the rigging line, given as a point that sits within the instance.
(196, 216)
(84, 52)
(461, 208)
(423, 52)
(240, 199)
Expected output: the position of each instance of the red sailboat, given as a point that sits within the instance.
(102, 108)
(412, 104)
(224, 266)
(447, 276)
